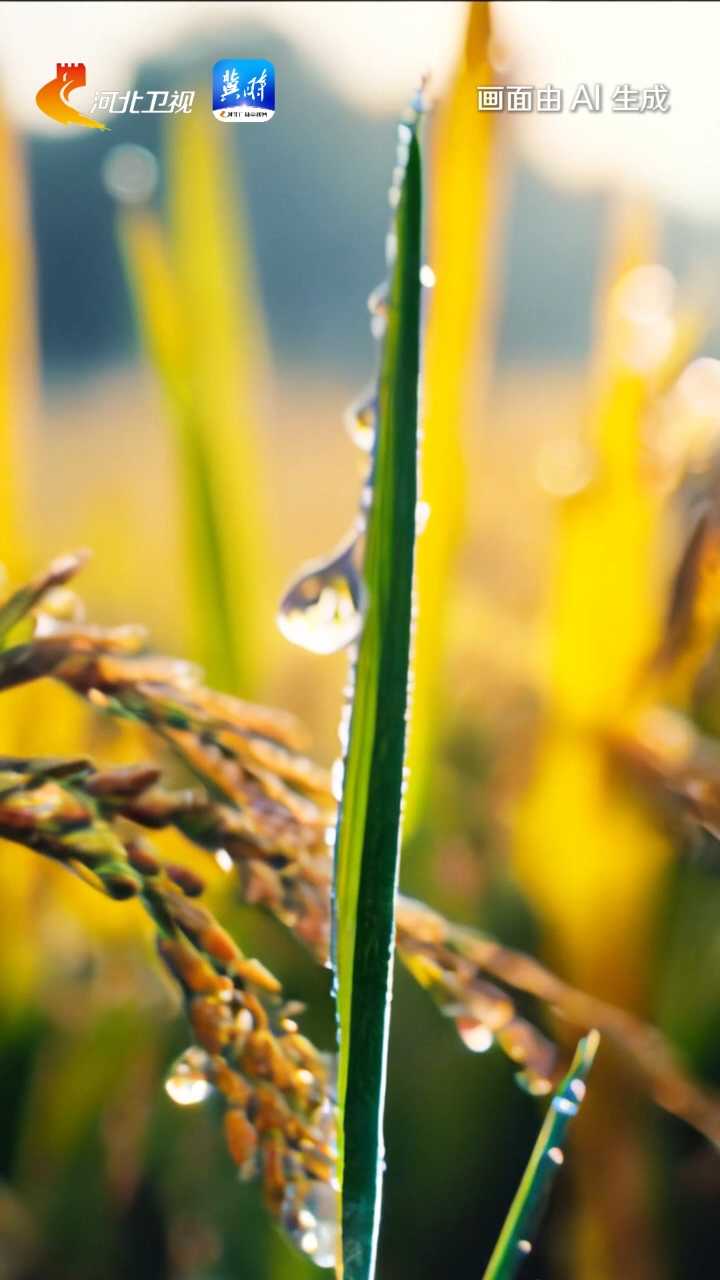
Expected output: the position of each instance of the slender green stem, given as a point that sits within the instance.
(514, 1242)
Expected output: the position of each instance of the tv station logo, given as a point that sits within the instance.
(52, 99)
(243, 90)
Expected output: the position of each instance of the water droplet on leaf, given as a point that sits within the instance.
(360, 420)
(322, 610)
(187, 1082)
(565, 1106)
(337, 777)
(379, 299)
(422, 515)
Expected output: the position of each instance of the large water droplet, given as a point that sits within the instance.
(187, 1082)
(322, 610)
(360, 420)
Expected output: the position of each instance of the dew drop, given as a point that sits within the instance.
(379, 298)
(360, 420)
(187, 1082)
(524, 1246)
(475, 1035)
(422, 515)
(322, 610)
(378, 326)
(337, 777)
(223, 859)
(556, 1155)
(428, 278)
(565, 1106)
(578, 1088)
(344, 726)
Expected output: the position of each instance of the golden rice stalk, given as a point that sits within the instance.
(265, 806)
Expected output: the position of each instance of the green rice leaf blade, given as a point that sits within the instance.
(367, 842)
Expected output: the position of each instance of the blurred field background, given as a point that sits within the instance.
(221, 327)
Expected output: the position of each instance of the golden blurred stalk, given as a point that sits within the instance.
(583, 842)
(17, 348)
(588, 851)
(202, 322)
(461, 206)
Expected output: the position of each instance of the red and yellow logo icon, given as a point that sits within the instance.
(52, 99)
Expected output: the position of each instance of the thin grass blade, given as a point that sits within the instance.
(515, 1240)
